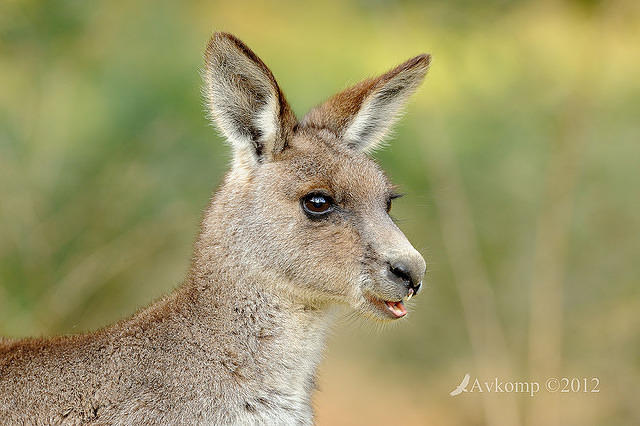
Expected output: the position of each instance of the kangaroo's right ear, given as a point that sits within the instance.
(245, 101)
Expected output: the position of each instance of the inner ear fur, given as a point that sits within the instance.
(362, 115)
(244, 100)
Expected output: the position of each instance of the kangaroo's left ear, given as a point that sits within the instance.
(362, 115)
(245, 101)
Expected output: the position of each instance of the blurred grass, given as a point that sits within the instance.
(519, 157)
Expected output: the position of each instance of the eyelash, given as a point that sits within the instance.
(392, 197)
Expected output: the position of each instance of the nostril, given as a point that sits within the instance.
(401, 271)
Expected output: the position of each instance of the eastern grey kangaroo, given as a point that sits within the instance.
(299, 225)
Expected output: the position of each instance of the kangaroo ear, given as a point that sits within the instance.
(245, 101)
(362, 115)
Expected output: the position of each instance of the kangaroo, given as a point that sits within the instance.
(299, 226)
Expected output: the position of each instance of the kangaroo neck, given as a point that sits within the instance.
(269, 346)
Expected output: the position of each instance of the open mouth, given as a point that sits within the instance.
(393, 309)
(396, 308)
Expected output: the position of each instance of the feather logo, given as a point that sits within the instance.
(462, 387)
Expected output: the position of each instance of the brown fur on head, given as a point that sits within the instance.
(348, 251)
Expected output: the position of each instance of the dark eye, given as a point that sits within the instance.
(390, 199)
(316, 204)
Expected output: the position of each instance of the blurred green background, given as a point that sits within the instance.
(520, 159)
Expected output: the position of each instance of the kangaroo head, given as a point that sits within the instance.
(304, 206)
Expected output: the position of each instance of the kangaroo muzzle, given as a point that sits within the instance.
(408, 272)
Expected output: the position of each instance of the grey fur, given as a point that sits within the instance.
(240, 340)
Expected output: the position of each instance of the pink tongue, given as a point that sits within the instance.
(397, 308)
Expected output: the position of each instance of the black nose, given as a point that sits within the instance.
(402, 273)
